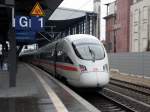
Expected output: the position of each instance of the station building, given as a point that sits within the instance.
(118, 26)
(110, 22)
(140, 26)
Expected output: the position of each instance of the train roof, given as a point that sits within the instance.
(70, 38)
(75, 37)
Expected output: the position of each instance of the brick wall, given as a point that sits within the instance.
(110, 33)
(123, 20)
(118, 31)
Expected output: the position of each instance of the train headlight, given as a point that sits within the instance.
(82, 68)
(106, 68)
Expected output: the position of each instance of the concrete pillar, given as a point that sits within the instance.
(94, 24)
(12, 61)
(97, 10)
(77, 29)
(87, 25)
(84, 26)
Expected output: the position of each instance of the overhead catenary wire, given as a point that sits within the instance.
(44, 37)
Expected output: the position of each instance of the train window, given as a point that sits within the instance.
(67, 59)
(42, 55)
(59, 53)
(52, 53)
(76, 51)
(59, 56)
(89, 51)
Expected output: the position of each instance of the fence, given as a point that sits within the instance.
(132, 63)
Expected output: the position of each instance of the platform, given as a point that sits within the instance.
(28, 95)
(35, 91)
(136, 79)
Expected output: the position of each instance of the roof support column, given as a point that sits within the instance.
(87, 25)
(12, 61)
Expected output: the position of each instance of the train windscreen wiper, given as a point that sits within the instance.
(92, 54)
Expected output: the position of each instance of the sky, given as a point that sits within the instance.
(88, 5)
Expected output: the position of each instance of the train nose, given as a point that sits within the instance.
(94, 79)
(102, 78)
(88, 79)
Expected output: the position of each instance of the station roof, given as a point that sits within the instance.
(67, 14)
(62, 18)
(61, 25)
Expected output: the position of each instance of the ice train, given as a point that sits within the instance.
(80, 59)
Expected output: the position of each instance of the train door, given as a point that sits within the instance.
(58, 58)
(55, 59)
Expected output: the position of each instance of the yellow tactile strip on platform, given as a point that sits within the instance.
(136, 79)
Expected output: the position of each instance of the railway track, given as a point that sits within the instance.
(138, 92)
(135, 87)
(105, 103)
(120, 96)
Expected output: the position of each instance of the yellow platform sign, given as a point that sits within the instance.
(37, 10)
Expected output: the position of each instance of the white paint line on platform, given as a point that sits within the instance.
(60, 107)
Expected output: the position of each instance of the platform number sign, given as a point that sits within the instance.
(37, 23)
(26, 23)
(34, 22)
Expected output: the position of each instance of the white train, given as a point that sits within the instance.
(81, 59)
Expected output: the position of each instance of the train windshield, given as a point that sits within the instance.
(89, 51)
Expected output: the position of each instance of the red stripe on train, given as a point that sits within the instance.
(64, 67)
(69, 68)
